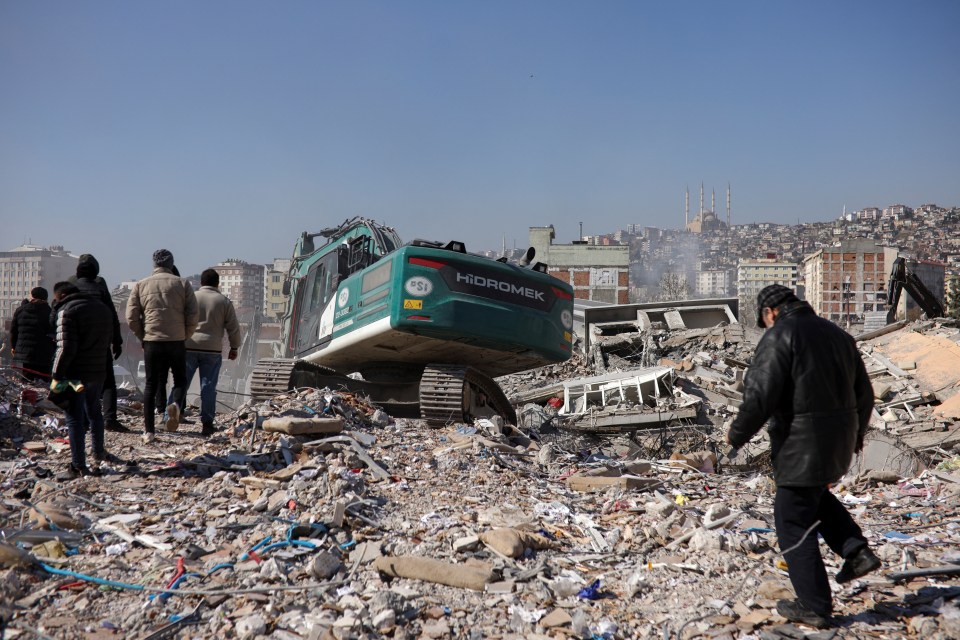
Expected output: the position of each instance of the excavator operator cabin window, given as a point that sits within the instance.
(317, 287)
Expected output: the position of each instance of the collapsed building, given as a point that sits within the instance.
(610, 510)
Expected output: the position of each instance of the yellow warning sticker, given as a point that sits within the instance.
(413, 304)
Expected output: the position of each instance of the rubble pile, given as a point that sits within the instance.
(316, 515)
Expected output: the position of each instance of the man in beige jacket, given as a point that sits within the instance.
(162, 312)
(205, 347)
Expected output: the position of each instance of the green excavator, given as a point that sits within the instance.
(421, 328)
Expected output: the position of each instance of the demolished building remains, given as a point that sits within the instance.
(610, 510)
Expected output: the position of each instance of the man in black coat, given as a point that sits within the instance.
(31, 337)
(807, 377)
(84, 330)
(89, 282)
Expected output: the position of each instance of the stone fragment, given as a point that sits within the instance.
(468, 543)
(556, 618)
(714, 513)
(250, 627)
(325, 565)
(365, 552)
(385, 620)
(11, 556)
(601, 483)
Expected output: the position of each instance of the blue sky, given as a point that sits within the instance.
(222, 129)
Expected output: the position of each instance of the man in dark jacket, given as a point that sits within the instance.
(84, 330)
(808, 378)
(88, 281)
(31, 337)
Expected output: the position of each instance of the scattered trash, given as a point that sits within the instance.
(486, 529)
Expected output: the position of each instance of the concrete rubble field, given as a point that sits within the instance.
(610, 511)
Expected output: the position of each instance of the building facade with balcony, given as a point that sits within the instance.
(755, 274)
(242, 282)
(275, 302)
(713, 282)
(845, 281)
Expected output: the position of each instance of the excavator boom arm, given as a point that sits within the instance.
(901, 278)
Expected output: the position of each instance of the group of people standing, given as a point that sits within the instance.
(75, 341)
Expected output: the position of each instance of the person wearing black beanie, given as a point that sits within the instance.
(31, 337)
(89, 282)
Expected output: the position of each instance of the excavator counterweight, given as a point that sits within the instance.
(422, 326)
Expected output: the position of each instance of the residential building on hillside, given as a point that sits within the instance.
(849, 279)
(713, 282)
(242, 282)
(28, 266)
(755, 274)
(275, 302)
(599, 273)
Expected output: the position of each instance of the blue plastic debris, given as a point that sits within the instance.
(590, 593)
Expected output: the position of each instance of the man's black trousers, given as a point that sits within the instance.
(795, 510)
(158, 359)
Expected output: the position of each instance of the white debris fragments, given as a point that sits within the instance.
(612, 510)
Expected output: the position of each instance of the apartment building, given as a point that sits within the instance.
(275, 302)
(713, 282)
(845, 281)
(242, 282)
(28, 266)
(599, 273)
(755, 274)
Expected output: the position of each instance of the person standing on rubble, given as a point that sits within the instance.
(32, 337)
(807, 377)
(88, 280)
(205, 347)
(162, 313)
(84, 330)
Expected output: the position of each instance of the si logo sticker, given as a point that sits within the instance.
(343, 297)
(413, 304)
(418, 286)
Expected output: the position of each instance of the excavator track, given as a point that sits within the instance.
(450, 393)
(444, 395)
(271, 377)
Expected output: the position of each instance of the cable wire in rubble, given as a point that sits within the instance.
(743, 583)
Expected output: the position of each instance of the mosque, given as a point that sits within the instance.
(707, 220)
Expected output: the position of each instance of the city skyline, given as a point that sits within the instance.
(225, 129)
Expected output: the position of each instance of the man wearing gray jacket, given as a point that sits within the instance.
(205, 347)
(162, 313)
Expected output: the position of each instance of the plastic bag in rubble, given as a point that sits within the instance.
(552, 511)
(506, 515)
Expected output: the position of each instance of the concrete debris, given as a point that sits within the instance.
(612, 509)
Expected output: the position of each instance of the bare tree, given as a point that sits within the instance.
(673, 286)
